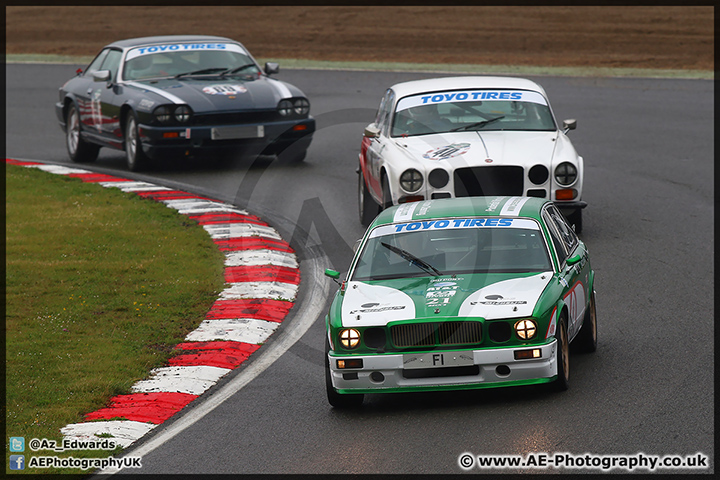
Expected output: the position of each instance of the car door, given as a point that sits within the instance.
(375, 146)
(574, 270)
(106, 101)
(83, 91)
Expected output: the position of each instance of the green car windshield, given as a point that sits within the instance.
(456, 246)
(473, 110)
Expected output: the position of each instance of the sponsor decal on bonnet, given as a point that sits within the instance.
(447, 151)
(363, 303)
(508, 298)
(224, 89)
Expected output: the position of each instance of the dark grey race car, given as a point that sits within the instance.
(157, 97)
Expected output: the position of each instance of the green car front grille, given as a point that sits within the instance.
(436, 333)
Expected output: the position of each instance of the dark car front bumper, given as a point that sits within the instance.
(260, 138)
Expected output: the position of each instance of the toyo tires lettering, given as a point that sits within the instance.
(448, 97)
(456, 223)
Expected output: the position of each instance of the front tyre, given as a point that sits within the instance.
(136, 158)
(562, 357)
(368, 209)
(337, 400)
(78, 149)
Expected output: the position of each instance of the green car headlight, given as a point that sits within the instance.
(349, 338)
(525, 329)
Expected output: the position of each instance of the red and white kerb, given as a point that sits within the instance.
(263, 276)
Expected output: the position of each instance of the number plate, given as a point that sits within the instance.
(232, 133)
(437, 360)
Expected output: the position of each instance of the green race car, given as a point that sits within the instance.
(460, 293)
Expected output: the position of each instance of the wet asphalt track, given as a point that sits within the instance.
(648, 149)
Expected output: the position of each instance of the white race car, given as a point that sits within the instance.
(468, 136)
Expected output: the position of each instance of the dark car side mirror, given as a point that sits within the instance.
(271, 67)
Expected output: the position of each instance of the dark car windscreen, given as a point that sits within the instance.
(453, 246)
(187, 59)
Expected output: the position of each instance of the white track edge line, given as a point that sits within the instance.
(306, 315)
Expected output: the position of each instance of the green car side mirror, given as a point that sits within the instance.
(573, 260)
(332, 274)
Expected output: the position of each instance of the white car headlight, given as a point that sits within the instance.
(565, 174)
(411, 180)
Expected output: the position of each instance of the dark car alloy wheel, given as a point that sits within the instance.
(78, 149)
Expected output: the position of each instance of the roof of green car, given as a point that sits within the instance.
(528, 207)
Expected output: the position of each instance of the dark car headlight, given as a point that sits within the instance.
(301, 106)
(298, 107)
(183, 114)
(172, 114)
(163, 114)
(285, 108)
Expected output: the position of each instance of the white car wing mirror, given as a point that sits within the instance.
(371, 131)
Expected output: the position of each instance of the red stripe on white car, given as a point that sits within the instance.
(263, 276)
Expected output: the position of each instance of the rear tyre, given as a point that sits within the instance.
(586, 340)
(368, 209)
(78, 149)
(338, 400)
(136, 158)
(562, 356)
(387, 201)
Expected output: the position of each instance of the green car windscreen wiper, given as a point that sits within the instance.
(422, 264)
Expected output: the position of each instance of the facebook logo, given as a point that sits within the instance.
(17, 462)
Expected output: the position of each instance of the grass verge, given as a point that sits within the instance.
(100, 285)
(430, 68)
